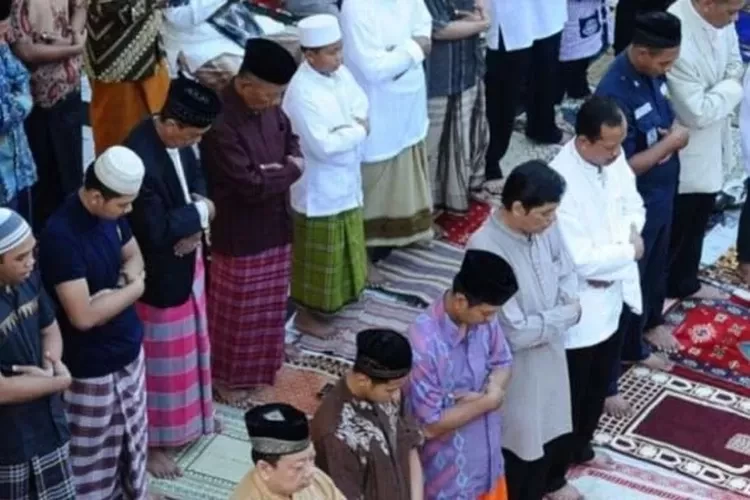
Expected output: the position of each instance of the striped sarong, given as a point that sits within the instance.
(48, 477)
(108, 439)
(457, 142)
(247, 310)
(178, 368)
(329, 260)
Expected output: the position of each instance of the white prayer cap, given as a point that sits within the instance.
(318, 31)
(121, 170)
(13, 230)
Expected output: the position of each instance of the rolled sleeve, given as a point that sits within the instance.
(500, 353)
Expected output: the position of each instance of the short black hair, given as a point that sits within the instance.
(534, 184)
(5, 7)
(92, 183)
(459, 288)
(597, 112)
(271, 460)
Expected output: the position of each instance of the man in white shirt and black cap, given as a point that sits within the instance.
(92, 265)
(328, 111)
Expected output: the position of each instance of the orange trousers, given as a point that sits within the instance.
(116, 108)
(499, 492)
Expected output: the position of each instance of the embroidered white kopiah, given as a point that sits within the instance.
(121, 170)
(13, 230)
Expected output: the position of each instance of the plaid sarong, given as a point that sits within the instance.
(48, 477)
(247, 301)
(329, 260)
(108, 443)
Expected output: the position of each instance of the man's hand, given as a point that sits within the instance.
(677, 136)
(80, 38)
(60, 370)
(187, 245)
(297, 162)
(636, 241)
(494, 395)
(209, 204)
(364, 122)
(424, 43)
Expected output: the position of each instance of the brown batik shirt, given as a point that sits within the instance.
(364, 447)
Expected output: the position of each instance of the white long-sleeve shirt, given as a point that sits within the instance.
(704, 86)
(322, 109)
(521, 22)
(595, 216)
(387, 63)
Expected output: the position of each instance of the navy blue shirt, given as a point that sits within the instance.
(77, 245)
(38, 427)
(645, 102)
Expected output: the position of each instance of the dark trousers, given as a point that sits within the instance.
(653, 272)
(532, 480)
(589, 370)
(56, 142)
(743, 232)
(573, 79)
(505, 76)
(691, 214)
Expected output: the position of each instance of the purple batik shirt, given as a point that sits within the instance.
(468, 462)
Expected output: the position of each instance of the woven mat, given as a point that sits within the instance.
(685, 425)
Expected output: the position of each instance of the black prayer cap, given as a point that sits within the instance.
(277, 429)
(268, 61)
(383, 354)
(657, 30)
(487, 277)
(191, 103)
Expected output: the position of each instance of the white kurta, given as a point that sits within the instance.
(595, 216)
(745, 123)
(705, 88)
(322, 109)
(387, 63)
(521, 22)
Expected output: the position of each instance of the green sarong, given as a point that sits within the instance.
(329, 260)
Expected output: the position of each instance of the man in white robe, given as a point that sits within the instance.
(328, 111)
(601, 216)
(705, 88)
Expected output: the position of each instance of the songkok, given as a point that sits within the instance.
(191, 103)
(121, 170)
(268, 61)
(383, 354)
(318, 31)
(487, 277)
(277, 429)
(13, 230)
(657, 30)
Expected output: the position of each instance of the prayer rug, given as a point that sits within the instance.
(635, 480)
(714, 337)
(373, 310)
(457, 228)
(421, 271)
(723, 272)
(683, 425)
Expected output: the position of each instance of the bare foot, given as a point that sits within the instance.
(709, 292)
(662, 339)
(567, 492)
(656, 362)
(231, 396)
(600, 461)
(308, 323)
(617, 406)
(374, 276)
(161, 465)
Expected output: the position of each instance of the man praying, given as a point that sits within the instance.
(460, 379)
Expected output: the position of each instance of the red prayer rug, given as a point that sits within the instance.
(714, 337)
(684, 425)
(457, 228)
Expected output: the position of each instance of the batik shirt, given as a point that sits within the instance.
(17, 169)
(364, 447)
(465, 463)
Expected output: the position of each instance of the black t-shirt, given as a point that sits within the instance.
(77, 245)
(37, 427)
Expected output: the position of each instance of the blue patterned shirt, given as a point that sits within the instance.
(17, 169)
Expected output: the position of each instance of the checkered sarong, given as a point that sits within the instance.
(42, 478)
(329, 260)
(108, 434)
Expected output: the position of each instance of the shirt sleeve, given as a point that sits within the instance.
(529, 330)
(500, 353)
(341, 464)
(193, 14)
(15, 105)
(125, 233)
(375, 63)
(410, 433)
(634, 211)
(424, 394)
(46, 309)
(422, 21)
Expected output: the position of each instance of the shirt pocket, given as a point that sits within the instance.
(647, 123)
